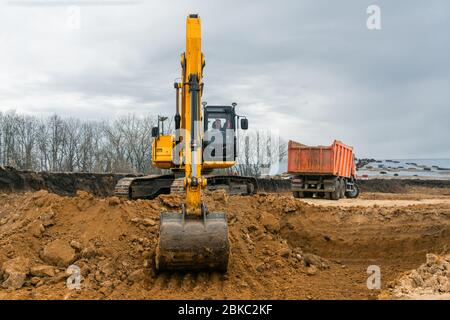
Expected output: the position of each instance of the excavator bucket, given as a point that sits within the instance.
(193, 243)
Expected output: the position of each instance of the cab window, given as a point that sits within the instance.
(219, 121)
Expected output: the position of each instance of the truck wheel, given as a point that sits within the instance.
(354, 193)
(343, 187)
(335, 195)
(250, 188)
(298, 194)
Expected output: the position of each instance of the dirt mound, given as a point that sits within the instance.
(112, 242)
(400, 185)
(281, 247)
(98, 184)
(383, 185)
(62, 183)
(102, 184)
(430, 281)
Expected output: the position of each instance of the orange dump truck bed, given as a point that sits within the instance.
(334, 160)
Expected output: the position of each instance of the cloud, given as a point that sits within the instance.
(310, 69)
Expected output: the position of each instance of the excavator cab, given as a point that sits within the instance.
(220, 139)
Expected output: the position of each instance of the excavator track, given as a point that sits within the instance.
(145, 187)
(149, 187)
(122, 188)
(234, 185)
(177, 186)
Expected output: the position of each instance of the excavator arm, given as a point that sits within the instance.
(193, 239)
(192, 62)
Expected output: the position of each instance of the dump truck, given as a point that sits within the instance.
(322, 171)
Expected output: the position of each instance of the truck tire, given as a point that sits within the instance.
(298, 194)
(354, 193)
(343, 187)
(335, 195)
(250, 188)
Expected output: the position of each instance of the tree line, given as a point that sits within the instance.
(123, 145)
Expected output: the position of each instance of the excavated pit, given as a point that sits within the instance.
(281, 247)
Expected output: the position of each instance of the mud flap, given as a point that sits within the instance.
(193, 243)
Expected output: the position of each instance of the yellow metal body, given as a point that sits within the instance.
(192, 63)
(218, 164)
(162, 148)
(162, 156)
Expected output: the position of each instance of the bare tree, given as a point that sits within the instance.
(123, 145)
(26, 134)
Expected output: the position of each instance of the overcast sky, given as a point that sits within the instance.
(311, 69)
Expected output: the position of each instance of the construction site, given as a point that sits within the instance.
(204, 202)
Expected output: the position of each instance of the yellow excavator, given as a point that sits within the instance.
(204, 139)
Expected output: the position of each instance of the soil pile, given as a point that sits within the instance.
(430, 281)
(62, 183)
(281, 247)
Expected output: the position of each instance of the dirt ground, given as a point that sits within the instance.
(282, 248)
